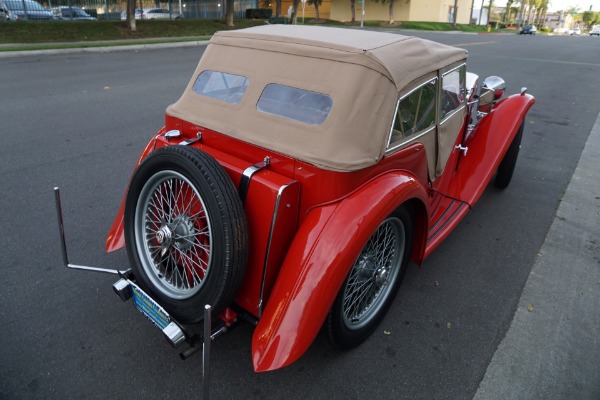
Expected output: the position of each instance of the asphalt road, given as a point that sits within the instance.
(79, 121)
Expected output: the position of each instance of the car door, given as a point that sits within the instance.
(452, 113)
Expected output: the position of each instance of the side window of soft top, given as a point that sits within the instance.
(453, 91)
(415, 114)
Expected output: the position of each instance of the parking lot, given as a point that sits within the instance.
(79, 121)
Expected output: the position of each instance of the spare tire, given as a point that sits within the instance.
(186, 232)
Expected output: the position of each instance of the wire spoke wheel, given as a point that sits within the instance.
(368, 285)
(173, 234)
(372, 282)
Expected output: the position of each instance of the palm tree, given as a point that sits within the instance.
(509, 4)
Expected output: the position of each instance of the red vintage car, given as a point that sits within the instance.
(300, 174)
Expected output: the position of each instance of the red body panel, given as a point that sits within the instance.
(321, 255)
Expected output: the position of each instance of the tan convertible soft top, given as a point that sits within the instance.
(363, 72)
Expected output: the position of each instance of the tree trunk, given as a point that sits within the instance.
(480, 13)
(131, 15)
(391, 11)
(352, 9)
(455, 16)
(295, 12)
(278, 8)
(471, 14)
(317, 9)
(229, 13)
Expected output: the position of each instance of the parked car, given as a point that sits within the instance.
(138, 14)
(71, 14)
(528, 30)
(153, 13)
(160, 13)
(297, 201)
(20, 10)
(575, 31)
(595, 30)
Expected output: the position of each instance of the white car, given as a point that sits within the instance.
(160, 13)
(575, 31)
(595, 30)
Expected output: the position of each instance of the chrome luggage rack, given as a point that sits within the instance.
(174, 331)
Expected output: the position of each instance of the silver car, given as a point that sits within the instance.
(72, 14)
(23, 10)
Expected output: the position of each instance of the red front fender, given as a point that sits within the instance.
(320, 257)
(487, 146)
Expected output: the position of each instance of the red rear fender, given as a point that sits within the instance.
(321, 255)
(116, 239)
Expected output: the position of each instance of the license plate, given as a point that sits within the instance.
(150, 308)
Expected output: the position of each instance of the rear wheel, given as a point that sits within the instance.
(372, 283)
(507, 166)
(185, 232)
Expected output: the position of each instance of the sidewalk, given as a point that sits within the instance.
(552, 348)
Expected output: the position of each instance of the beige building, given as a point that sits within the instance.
(560, 22)
(415, 10)
(403, 10)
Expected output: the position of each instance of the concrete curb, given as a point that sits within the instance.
(104, 49)
(552, 348)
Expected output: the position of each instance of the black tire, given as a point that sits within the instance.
(506, 168)
(379, 272)
(186, 232)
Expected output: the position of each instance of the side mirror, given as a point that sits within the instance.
(495, 84)
(492, 89)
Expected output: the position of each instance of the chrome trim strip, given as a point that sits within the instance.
(417, 87)
(268, 249)
(247, 177)
(446, 211)
(434, 234)
(447, 116)
(389, 139)
(454, 69)
(412, 139)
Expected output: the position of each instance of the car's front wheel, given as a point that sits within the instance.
(372, 283)
(507, 165)
(185, 232)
